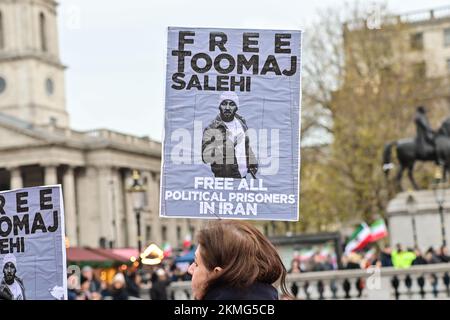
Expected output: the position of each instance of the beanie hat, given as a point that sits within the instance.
(229, 95)
(9, 258)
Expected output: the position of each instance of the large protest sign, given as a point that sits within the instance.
(32, 244)
(231, 144)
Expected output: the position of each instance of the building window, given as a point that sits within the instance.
(43, 32)
(2, 85)
(419, 70)
(164, 233)
(5, 178)
(148, 232)
(49, 86)
(178, 233)
(416, 41)
(2, 33)
(447, 37)
(102, 242)
(386, 73)
(53, 121)
(146, 202)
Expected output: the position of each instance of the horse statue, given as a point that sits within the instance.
(407, 154)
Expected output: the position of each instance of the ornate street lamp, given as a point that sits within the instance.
(439, 188)
(411, 207)
(137, 191)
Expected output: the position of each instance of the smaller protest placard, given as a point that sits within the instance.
(32, 244)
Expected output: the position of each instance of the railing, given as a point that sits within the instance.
(417, 282)
(123, 138)
(418, 16)
(104, 135)
(425, 15)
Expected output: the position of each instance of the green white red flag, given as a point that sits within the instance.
(167, 250)
(359, 238)
(305, 255)
(378, 230)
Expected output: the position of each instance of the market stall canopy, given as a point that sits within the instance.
(126, 253)
(119, 255)
(87, 256)
(100, 257)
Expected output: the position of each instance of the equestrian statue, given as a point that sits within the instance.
(428, 145)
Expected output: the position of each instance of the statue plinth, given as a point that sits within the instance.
(425, 212)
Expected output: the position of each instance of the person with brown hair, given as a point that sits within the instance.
(235, 261)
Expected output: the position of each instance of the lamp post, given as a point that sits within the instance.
(411, 206)
(439, 189)
(137, 191)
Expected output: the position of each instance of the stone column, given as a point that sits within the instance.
(152, 196)
(197, 224)
(172, 233)
(51, 177)
(16, 178)
(130, 214)
(116, 208)
(70, 206)
(155, 201)
(122, 211)
(89, 220)
(105, 203)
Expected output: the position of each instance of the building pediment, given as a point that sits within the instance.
(16, 134)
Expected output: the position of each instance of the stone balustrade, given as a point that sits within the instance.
(418, 282)
(418, 16)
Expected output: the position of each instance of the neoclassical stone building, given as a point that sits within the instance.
(37, 145)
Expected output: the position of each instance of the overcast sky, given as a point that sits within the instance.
(116, 50)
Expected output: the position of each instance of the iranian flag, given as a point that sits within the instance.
(305, 255)
(187, 241)
(167, 250)
(378, 230)
(359, 238)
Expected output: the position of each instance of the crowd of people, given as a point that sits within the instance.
(132, 283)
(152, 283)
(401, 257)
(397, 257)
(87, 286)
